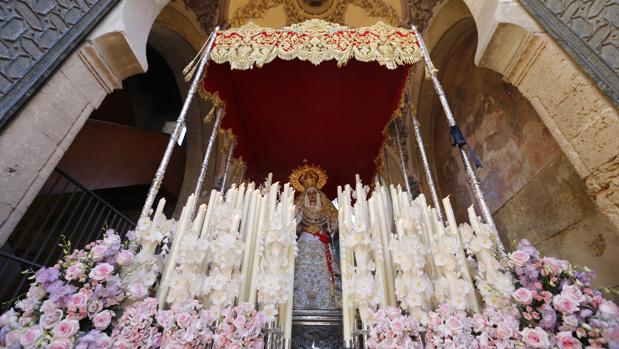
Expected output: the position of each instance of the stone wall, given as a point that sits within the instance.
(499, 123)
(532, 188)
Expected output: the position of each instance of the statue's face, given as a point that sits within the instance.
(312, 196)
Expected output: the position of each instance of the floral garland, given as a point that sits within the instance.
(389, 328)
(142, 325)
(242, 327)
(554, 306)
(72, 303)
(558, 306)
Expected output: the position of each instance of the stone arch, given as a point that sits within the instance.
(580, 117)
(38, 136)
(551, 205)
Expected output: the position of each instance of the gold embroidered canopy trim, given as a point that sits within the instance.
(315, 41)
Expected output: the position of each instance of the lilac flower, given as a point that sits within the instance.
(549, 318)
(59, 291)
(47, 275)
(89, 340)
(526, 246)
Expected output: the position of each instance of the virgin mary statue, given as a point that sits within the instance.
(315, 265)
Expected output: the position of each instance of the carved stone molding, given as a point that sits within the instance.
(295, 12)
(207, 11)
(35, 37)
(588, 31)
(419, 12)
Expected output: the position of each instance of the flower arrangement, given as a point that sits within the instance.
(242, 327)
(143, 325)
(557, 305)
(449, 328)
(73, 303)
(495, 328)
(389, 328)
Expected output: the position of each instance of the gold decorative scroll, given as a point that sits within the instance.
(316, 41)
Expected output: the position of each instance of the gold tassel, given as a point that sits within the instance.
(190, 69)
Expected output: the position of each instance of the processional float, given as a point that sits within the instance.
(391, 243)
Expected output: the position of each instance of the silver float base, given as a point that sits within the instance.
(321, 328)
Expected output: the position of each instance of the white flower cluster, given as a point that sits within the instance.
(225, 253)
(413, 287)
(361, 251)
(138, 277)
(494, 284)
(275, 283)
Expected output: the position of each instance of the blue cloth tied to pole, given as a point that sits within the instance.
(457, 139)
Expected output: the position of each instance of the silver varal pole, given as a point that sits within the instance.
(473, 181)
(207, 156)
(387, 165)
(180, 123)
(402, 161)
(242, 174)
(227, 167)
(427, 170)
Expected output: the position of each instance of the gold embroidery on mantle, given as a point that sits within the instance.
(296, 13)
(315, 41)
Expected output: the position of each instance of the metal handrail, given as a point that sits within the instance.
(65, 208)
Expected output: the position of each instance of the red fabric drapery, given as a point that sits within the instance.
(288, 111)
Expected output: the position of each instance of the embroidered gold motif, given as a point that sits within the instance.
(316, 41)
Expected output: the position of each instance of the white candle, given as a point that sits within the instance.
(210, 209)
(197, 223)
(343, 209)
(473, 302)
(381, 276)
(171, 263)
(247, 252)
(255, 263)
(158, 211)
(385, 234)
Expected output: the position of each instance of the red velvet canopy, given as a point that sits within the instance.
(290, 110)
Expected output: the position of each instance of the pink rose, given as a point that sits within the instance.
(239, 321)
(454, 323)
(608, 309)
(137, 291)
(51, 318)
(566, 341)
(124, 257)
(59, 344)
(111, 238)
(94, 306)
(503, 332)
(101, 271)
(65, 329)
(78, 301)
(29, 338)
(163, 317)
(98, 252)
(183, 320)
(523, 296)
(75, 271)
(573, 292)
(519, 257)
(102, 320)
(122, 344)
(564, 304)
(535, 337)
